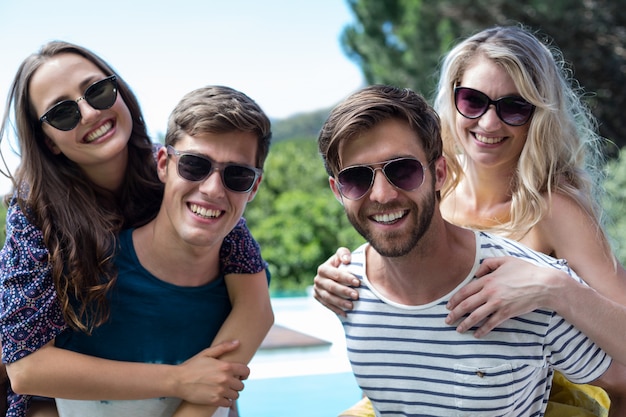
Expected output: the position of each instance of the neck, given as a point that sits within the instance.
(488, 184)
(111, 174)
(482, 199)
(174, 261)
(441, 261)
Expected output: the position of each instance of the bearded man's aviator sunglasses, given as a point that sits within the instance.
(404, 173)
(193, 167)
(65, 115)
(512, 110)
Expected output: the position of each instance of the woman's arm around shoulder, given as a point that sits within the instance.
(54, 372)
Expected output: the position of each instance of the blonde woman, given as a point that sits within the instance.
(523, 158)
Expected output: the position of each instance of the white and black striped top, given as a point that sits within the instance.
(410, 363)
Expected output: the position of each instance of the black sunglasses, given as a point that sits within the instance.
(65, 115)
(193, 167)
(512, 110)
(404, 173)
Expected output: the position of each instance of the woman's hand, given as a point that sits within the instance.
(205, 379)
(507, 287)
(332, 286)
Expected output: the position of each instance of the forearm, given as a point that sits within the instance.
(249, 321)
(55, 372)
(599, 318)
(249, 326)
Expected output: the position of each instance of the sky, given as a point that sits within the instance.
(285, 54)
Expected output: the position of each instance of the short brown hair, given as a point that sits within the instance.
(370, 106)
(219, 109)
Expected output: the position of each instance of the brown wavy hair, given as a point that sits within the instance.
(79, 220)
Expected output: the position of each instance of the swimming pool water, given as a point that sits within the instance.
(324, 395)
(306, 381)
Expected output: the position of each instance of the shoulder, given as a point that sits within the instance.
(565, 213)
(561, 204)
(565, 221)
(22, 234)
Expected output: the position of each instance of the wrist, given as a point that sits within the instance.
(171, 381)
(564, 293)
(557, 294)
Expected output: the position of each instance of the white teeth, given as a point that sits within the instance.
(202, 212)
(388, 218)
(99, 132)
(489, 141)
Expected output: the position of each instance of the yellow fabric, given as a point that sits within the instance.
(361, 409)
(574, 400)
(566, 400)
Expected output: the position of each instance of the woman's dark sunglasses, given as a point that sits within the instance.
(65, 115)
(404, 173)
(192, 167)
(512, 110)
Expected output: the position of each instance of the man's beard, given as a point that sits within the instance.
(397, 243)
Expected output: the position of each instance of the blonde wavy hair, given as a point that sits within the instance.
(563, 152)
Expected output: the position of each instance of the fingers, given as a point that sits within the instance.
(467, 301)
(336, 306)
(491, 323)
(228, 396)
(489, 265)
(343, 255)
(241, 371)
(228, 387)
(333, 286)
(334, 295)
(460, 303)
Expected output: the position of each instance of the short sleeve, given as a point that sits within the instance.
(30, 316)
(240, 253)
(573, 354)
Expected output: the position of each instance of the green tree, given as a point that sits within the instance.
(401, 42)
(614, 203)
(295, 217)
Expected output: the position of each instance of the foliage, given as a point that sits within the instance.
(400, 42)
(300, 125)
(295, 217)
(614, 203)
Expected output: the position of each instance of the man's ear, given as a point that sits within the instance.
(162, 163)
(333, 186)
(441, 172)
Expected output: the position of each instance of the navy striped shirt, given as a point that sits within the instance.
(410, 363)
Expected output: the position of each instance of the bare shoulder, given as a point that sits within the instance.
(566, 211)
(565, 223)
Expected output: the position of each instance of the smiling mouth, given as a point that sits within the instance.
(205, 213)
(389, 218)
(99, 132)
(488, 141)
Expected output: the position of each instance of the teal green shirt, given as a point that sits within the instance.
(152, 320)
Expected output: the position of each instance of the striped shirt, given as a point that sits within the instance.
(410, 363)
